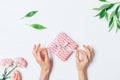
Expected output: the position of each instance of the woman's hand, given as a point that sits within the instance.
(42, 58)
(82, 63)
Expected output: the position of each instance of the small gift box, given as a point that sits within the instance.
(63, 46)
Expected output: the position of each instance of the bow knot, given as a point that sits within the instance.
(59, 47)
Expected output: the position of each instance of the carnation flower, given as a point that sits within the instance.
(6, 62)
(21, 62)
(16, 75)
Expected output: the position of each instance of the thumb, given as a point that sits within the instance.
(77, 56)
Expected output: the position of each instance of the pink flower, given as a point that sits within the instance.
(16, 75)
(6, 62)
(21, 62)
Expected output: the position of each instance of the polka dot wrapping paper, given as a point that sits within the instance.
(63, 46)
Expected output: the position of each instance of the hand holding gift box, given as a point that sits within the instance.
(63, 46)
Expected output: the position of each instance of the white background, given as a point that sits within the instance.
(76, 19)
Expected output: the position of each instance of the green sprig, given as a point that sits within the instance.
(112, 15)
(37, 26)
(103, 0)
(29, 14)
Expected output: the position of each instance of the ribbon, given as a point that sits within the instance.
(59, 47)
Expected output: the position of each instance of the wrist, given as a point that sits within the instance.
(84, 71)
(45, 72)
(82, 75)
(44, 75)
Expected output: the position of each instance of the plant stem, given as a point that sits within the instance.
(11, 71)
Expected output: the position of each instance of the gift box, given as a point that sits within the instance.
(63, 46)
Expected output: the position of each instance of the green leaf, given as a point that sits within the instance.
(102, 7)
(117, 15)
(101, 14)
(112, 14)
(116, 11)
(30, 14)
(118, 24)
(106, 15)
(103, 0)
(110, 28)
(110, 6)
(111, 21)
(105, 6)
(38, 26)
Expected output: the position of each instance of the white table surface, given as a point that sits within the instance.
(75, 18)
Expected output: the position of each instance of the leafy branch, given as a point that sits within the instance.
(113, 16)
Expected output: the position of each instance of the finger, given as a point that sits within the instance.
(46, 54)
(77, 56)
(39, 45)
(87, 51)
(34, 49)
(91, 51)
(40, 50)
(84, 54)
(37, 48)
(39, 54)
(38, 58)
(34, 55)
